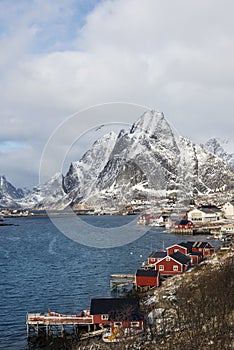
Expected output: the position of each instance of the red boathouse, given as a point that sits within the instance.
(147, 278)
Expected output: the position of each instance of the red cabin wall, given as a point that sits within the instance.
(204, 251)
(176, 247)
(153, 261)
(143, 281)
(97, 319)
(168, 267)
(194, 259)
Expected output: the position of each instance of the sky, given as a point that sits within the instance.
(61, 57)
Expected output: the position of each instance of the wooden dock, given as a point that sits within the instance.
(55, 323)
(120, 283)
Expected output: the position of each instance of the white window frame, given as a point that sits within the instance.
(135, 324)
(175, 268)
(105, 317)
(161, 268)
(117, 324)
(167, 258)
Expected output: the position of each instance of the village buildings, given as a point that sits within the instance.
(176, 259)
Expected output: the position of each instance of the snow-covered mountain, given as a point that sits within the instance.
(81, 178)
(9, 195)
(48, 195)
(142, 162)
(145, 162)
(222, 148)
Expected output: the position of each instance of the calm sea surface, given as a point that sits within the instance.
(40, 268)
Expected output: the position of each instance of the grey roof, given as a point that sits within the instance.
(158, 254)
(118, 309)
(209, 208)
(180, 257)
(147, 273)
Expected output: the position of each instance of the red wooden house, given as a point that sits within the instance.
(173, 264)
(155, 256)
(203, 247)
(196, 258)
(180, 247)
(186, 248)
(147, 278)
(184, 225)
(123, 313)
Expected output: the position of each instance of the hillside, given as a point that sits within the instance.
(192, 311)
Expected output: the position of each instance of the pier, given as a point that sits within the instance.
(121, 283)
(52, 323)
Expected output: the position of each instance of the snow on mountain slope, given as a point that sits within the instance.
(48, 195)
(80, 180)
(9, 194)
(222, 148)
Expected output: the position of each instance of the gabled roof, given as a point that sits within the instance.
(180, 257)
(147, 273)
(157, 254)
(118, 309)
(200, 244)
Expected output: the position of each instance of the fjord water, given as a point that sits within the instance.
(40, 268)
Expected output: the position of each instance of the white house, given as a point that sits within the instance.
(203, 215)
(229, 228)
(228, 210)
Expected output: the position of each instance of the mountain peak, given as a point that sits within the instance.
(149, 123)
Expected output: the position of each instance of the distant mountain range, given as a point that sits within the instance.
(147, 161)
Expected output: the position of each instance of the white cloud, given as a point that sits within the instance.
(176, 56)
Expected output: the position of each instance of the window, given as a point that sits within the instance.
(135, 324)
(175, 268)
(167, 258)
(105, 317)
(153, 259)
(117, 324)
(161, 267)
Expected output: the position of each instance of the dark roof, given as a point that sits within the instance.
(196, 253)
(210, 208)
(157, 254)
(180, 257)
(187, 245)
(147, 273)
(183, 222)
(118, 309)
